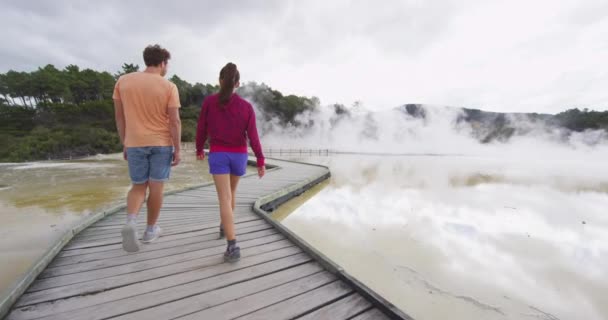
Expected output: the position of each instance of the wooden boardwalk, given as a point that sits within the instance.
(183, 276)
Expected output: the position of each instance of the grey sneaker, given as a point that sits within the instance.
(232, 254)
(129, 237)
(221, 231)
(152, 236)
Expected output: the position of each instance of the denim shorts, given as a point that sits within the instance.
(233, 163)
(149, 164)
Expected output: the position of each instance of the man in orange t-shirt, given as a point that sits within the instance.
(147, 116)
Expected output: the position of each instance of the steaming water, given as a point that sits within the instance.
(39, 201)
(468, 237)
(515, 230)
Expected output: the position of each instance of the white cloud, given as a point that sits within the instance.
(542, 56)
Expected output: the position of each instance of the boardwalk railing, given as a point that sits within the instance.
(295, 152)
(272, 151)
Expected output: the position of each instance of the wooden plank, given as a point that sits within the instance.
(373, 314)
(166, 215)
(341, 309)
(167, 218)
(169, 228)
(207, 229)
(138, 256)
(91, 250)
(301, 304)
(55, 300)
(94, 230)
(253, 302)
(215, 225)
(206, 210)
(209, 199)
(59, 281)
(105, 242)
(169, 214)
(254, 255)
(100, 242)
(142, 224)
(243, 234)
(202, 206)
(225, 294)
(200, 193)
(194, 285)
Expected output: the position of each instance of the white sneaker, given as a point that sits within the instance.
(152, 236)
(129, 237)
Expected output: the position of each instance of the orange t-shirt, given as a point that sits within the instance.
(146, 98)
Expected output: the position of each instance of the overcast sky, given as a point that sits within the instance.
(534, 55)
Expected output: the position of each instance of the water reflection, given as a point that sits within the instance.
(466, 237)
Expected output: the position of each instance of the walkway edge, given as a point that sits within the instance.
(272, 201)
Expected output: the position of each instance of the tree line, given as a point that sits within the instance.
(55, 113)
(51, 113)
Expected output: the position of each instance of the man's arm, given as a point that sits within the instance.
(119, 115)
(175, 124)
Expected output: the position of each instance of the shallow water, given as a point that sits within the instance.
(39, 201)
(467, 237)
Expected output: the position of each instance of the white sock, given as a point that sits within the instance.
(132, 218)
(150, 228)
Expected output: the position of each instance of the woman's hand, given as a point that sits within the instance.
(261, 171)
(200, 156)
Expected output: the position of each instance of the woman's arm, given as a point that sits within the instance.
(254, 139)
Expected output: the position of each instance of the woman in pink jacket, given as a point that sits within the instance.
(228, 120)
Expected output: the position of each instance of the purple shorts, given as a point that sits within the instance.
(228, 163)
